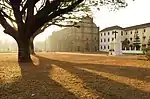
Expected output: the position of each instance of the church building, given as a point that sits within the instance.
(73, 39)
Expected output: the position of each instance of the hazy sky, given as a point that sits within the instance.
(136, 12)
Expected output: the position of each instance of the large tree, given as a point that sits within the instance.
(24, 19)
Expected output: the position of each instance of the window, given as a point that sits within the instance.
(112, 39)
(101, 47)
(86, 29)
(126, 33)
(101, 34)
(101, 40)
(108, 46)
(78, 48)
(104, 34)
(87, 46)
(104, 40)
(104, 47)
(95, 48)
(95, 30)
(121, 33)
(95, 38)
(131, 32)
(77, 37)
(112, 32)
(108, 39)
(108, 33)
(131, 38)
(144, 37)
(144, 30)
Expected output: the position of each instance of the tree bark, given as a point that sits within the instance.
(32, 46)
(24, 50)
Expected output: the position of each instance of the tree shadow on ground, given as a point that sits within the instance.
(35, 83)
(110, 89)
(138, 73)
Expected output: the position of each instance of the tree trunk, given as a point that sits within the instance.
(32, 47)
(24, 50)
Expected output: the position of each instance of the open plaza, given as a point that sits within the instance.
(59, 75)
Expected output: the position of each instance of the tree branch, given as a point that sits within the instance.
(62, 25)
(8, 16)
(26, 6)
(49, 24)
(30, 16)
(16, 8)
(5, 6)
(49, 7)
(62, 11)
(8, 28)
(43, 20)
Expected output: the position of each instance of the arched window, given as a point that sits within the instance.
(112, 39)
(104, 40)
(108, 39)
(104, 34)
(121, 33)
(104, 47)
(108, 33)
(87, 46)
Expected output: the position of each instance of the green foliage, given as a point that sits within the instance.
(136, 41)
(146, 50)
(125, 44)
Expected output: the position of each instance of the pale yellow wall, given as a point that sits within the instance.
(141, 33)
(77, 36)
(147, 33)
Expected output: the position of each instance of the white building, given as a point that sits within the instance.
(132, 39)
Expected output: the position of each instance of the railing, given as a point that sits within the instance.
(132, 51)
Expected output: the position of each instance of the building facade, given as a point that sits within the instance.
(73, 39)
(133, 38)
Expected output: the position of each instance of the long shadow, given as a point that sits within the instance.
(35, 83)
(110, 89)
(138, 73)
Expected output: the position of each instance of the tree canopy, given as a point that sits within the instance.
(24, 13)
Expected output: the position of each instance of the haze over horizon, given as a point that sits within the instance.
(135, 13)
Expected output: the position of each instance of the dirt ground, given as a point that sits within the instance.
(71, 76)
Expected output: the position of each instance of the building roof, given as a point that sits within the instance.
(138, 26)
(126, 28)
(111, 28)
